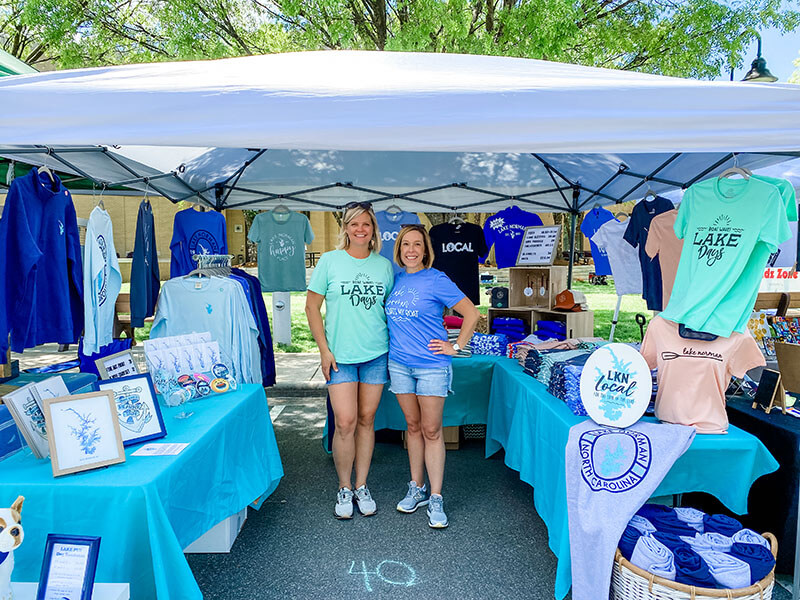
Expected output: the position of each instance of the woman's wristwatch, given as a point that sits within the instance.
(456, 347)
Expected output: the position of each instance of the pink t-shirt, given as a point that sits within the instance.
(662, 241)
(693, 375)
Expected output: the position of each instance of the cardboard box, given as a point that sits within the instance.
(220, 538)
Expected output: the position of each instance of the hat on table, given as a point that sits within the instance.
(571, 300)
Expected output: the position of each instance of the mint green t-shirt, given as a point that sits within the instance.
(722, 221)
(750, 280)
(355, 291)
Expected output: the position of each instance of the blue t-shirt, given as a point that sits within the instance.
(389, 225)
(414, 315)
(592, 221)
(193, 233)
(505, 231)
(636, 236)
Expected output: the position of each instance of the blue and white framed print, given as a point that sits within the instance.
(138, 410)
(68, 568)
(83, 432)
(616, 385)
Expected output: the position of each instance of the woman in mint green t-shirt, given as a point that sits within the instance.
(354, 280)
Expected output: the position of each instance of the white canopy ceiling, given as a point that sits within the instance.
(432, 132)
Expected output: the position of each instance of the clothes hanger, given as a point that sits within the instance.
(649, 193)
(735, 170)
(456, 220)
(46, 170)
(99, 202)
(394, 209)
(211, 265)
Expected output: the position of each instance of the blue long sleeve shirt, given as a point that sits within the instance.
(145, 276)
(41, 274)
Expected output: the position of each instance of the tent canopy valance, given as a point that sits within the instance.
(428, 132)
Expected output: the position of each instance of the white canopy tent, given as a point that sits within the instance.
(427, 132)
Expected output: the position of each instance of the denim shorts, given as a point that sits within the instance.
(434, 381)
(370, 371)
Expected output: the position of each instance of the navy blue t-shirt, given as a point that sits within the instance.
(636, 236)
(592, 221)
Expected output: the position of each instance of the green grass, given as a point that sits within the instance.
(602, 300)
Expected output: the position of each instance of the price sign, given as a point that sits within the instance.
(539, 245)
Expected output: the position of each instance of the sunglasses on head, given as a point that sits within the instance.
(362, 205)
(414, 226)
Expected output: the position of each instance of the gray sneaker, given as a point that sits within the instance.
(344, 504)
(415, 497)
(366, 505)
(436, 517)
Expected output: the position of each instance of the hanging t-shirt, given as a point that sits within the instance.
(102, 281)
(592, 221)
(41, 271)
(457, 248)
(389, 225)
(281, 239)
(636, 236)
(145, 275)
(662, 242)
(750, 279)
(414, 314)
(694, 374)
(355, 291)
(219, 306)
(625, 268)
(505, 230)
(193, 233)
(722, 221)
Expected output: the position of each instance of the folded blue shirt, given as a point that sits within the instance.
(653, 556)
(721, 524)
(728, 571)
(759, 558)
(748, 536)
(691, 569)
(628, 541)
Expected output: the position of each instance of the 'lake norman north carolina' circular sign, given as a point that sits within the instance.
(616, 385)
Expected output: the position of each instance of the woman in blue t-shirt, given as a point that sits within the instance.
(420, 367)
(354, 281)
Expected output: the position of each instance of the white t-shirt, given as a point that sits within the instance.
(102, 281)
(624, 261)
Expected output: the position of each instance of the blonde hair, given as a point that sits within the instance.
(350, 214)
(427, 257)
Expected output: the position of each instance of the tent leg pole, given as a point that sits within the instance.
(573, 219)
(615, 319)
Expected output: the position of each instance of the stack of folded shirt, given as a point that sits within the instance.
(715, 553)
(551, 358)
(453, 322)
(565, 382)
(452, 337)
(551, 329)
(489, 344)
(513, 329)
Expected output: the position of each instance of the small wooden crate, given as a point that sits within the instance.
(552, 279)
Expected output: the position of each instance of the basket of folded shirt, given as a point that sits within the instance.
(684, 554)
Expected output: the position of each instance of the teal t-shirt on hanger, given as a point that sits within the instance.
(281, 239)
(722, 222)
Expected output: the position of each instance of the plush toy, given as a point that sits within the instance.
(10, 538)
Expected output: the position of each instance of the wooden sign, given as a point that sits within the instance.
(539, 245)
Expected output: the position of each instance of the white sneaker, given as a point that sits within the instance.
(366, 505)
(344, 504)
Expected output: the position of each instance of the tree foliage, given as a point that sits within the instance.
(795, 78)
(690, 38)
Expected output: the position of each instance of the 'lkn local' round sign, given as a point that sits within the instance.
(616, 385)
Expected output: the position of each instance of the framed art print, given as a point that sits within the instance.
(83, 432)
(116, 365)
(68, 567)
(23, 405)
(138, 411)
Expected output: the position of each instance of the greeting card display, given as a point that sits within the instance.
(25, 405)
(188, 367)
(616, 385)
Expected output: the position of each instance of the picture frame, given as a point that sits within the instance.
(68, 567)
(138, 410)
(116, 365)
(23, 404)
(83, 432)
(538, 246)
(770, 392)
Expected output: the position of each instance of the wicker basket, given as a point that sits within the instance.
(629, 582)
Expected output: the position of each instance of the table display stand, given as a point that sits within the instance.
(282, 317)
(219, 539)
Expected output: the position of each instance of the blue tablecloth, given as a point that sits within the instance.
(533, 427)
(467, 405)
(148, 509)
